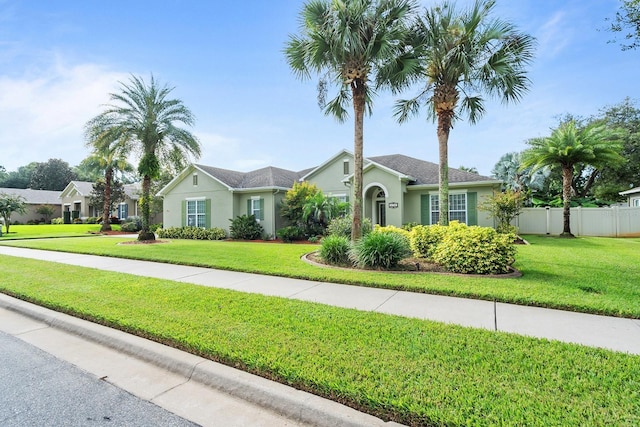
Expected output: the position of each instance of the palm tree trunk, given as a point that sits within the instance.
(567, 178)
(358, 90)
(145, 233)
(106, 214)
(445, 100)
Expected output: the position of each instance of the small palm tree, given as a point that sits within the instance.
(462, 57)
(594, 145)
(347, 42)
(108, 157)
(143, 119)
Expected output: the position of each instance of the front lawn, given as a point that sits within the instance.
(587, 274)
(50, 230)
(411, 371)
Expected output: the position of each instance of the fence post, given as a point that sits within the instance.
(548, 219)
(616, 220)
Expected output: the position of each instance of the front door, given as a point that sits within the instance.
(382, 213)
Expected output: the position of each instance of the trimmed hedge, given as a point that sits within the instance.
(193, 233)
(341, 226)
(424, 239)
(475, 250)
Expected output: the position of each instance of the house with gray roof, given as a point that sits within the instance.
(633, 196)
(397, 189)
(34, 199)
(76, 195)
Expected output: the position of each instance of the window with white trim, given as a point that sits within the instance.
(457, 208)
(345, 167)
(195, 179)
(255, 208)
(636, 203)
(196, 215)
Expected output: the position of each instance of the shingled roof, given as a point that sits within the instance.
(423, 172)
(84, 188)
(34, 197)
(269, 177)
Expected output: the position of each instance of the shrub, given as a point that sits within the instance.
(476, 250)
(57, 221)
(245, 227)
(155, 227)
(335, 250)
(423, 239)
(291, 233)
(410, 226)
(92, 220)
(341, 226)
(114, 220)
(380, 250)
(193, 233)
(77, 220)
(131, 224)
(130, 227)
(392, 229)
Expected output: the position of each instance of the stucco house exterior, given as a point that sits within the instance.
(34, 199)
(75, 199)
(397, 189)
(633, 196)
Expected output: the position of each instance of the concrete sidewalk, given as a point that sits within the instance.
(592, 330)
(212, 394)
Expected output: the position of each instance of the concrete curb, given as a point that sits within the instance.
(284, 400)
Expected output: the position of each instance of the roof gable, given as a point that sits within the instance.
(310, 172)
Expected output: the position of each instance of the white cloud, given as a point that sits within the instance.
(42, 116)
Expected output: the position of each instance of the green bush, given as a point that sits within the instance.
(380, 250)
(155, 227)
(75, 221)
(92, 220)
(335, 250)
(245, 227)
(475, 250)
(132, 224)
(57, 221)
(410, 226)
(424, 239)
(193, 233)
(291, 233)
(341, 226)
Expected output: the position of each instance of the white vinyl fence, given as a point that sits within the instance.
(616, 221)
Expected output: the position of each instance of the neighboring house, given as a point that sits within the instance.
(75, 200)
(633, 196)
(397, 189)
(34, 199)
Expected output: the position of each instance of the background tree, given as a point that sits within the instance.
(9, 204)
(143, 119)
(615, 178)
(471, 169)
(54, 174)
(3, 174)
(46, 211)
(347, 42)
(20, 178)
(509, 170)
(628, 20)
(98, 197)
(462, 57)
(110, 158)
(568, 145)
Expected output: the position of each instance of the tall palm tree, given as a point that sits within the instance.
(347, 42)
(463, 57)
(594, 145)
(108, 157)
(143, 119)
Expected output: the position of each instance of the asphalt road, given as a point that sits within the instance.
(36, 389)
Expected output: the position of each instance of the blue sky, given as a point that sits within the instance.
(60, 59)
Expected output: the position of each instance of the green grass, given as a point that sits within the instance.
(50, 230)
(412, 371)
(587, 274)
